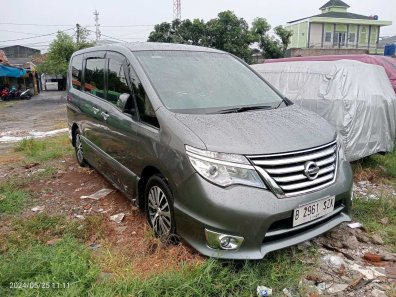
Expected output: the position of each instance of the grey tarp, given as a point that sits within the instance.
(355, 97)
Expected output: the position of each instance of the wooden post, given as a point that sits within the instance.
(35, 83)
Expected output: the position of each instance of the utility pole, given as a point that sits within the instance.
(78, 31)
(97, 25)
(177, 9)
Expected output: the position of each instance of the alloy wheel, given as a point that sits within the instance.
(159, 211)
(79, 149)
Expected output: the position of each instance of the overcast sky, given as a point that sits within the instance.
(140, 16)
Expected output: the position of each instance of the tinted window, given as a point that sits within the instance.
(117, 83)
(204, 82)
(76, 72)
(94, 77)
(146, 110)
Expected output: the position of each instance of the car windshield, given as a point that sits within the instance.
(203, 82)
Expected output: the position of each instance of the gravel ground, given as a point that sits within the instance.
(45, 112)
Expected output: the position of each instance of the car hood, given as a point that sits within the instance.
(260, 132)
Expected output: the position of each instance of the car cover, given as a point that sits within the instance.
(387, 62)
(355, 97)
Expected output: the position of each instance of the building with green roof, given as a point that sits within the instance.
(335, 27)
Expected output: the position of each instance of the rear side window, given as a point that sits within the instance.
(76, 72)
(117, 82)
(94, 77)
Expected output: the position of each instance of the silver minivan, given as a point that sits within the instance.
(206, 147)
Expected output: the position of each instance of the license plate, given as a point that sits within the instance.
(313, 210)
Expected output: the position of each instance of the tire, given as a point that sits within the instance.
(159, 208)
(78, 149)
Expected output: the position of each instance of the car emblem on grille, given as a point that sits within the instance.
(311, 170)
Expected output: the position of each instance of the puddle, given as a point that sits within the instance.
(31, 134)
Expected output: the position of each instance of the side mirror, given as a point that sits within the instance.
(122, 100)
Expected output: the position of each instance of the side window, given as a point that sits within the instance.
(146, 110)
(117, 82)
(328, 37)
(76, 72)
(94, 77)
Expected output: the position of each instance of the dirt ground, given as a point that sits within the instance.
(61, 195)
(42, 113)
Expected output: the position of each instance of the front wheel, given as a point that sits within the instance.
(79, 149)
(159, 207)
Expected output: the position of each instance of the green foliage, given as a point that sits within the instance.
(12, 198)
(271, 46)
(227, 32)
(65, 262)
(370, 212)
(383, 165)
(60, 51)
(46, 149)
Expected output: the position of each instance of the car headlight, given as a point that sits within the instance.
(224, 169)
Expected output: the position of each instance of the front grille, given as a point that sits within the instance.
(285, 173)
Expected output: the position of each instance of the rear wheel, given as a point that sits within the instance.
(159, 207)
(79, 149)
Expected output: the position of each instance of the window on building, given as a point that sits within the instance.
(94, 77)
(117, 82)
(352, 37)
(146, 110)
(328, 37)
(76, 72)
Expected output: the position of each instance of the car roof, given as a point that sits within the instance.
(151, 46)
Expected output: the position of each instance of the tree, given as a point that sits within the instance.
(284, 35)
(60, 52)
(271, 46)
(227, 32)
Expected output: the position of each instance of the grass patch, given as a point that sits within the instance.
(376, 166)
(12, 198)
(40, 150)
(214, 278)
(370, 212)
(67, 262)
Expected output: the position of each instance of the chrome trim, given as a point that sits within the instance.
(294, 152)
(285, 161)
(330, 153)
(285, 231)
(298, 177)
(300, 167)
(225, 163)
(308, 183)
(271, 184)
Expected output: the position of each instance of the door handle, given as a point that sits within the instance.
(105, 115)
(95, 110)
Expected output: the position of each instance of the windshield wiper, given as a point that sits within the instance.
(244, 108)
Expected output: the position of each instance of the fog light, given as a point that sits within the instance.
(225, 241)
(217, 240)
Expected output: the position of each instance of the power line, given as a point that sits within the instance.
(121, 26)
(53, 25)
(19, 32)
(37, 36)
(41, 25)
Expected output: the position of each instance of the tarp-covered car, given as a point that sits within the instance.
(355, 97)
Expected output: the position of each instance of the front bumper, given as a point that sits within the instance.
(264, 220)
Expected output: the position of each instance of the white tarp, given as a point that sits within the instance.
(355, 97)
